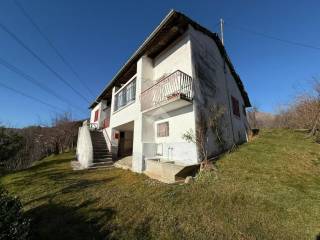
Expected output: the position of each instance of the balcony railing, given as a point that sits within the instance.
(177, 85)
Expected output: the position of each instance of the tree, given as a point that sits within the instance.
(213, 121)
(10, 144)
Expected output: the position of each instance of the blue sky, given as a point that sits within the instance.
(97, 37)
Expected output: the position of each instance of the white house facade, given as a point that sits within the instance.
(163, 91)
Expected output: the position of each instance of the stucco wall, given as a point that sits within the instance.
(214, 84)
(102, 114)
(84, 147)
(175, 57)
(174, 147)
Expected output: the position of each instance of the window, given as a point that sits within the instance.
(131, 91)
(96, 115)
(235, 106)
(163, 129)
(126, 95)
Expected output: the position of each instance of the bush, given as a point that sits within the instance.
(13, 225)
(207, 175)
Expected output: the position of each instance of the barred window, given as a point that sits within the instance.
(163, 129)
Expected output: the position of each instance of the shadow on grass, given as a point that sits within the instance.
(78, 185)
(52, 221)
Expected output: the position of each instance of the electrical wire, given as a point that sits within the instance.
(37, 83)
(237, 27)
(43, 62)
(50, 43)
(31, 97)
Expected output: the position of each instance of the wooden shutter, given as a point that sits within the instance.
(96, 115)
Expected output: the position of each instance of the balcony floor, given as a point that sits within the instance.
(168, 106)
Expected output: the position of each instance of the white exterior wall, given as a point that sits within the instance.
(176, 57)
(214, 84)
(174, 147)
(100, 106)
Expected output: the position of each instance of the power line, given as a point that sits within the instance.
(36, 82)
(31, 97)
(237, 27)
(42, 61)
(63, 59)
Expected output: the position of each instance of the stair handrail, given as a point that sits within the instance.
(108, 138)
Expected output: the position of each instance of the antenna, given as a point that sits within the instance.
(221, 30)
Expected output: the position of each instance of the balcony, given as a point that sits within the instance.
(125, 95)
(170, 93)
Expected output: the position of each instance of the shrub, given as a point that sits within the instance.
(207, 175)
(13, 225)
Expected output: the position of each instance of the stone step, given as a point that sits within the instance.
(98, 140)
(103, 159)
(102, 156)
(101, 150)
(99, 143)
(100, 146)
(102, 153)
(101, 165)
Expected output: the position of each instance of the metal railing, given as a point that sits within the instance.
(176, 85)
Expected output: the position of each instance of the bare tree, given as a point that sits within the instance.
(214, 122)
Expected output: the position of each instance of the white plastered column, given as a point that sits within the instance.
(144, 73)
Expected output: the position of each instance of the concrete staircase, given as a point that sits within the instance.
(102, 158)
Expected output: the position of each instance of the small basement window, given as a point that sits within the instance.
(235, 106)
(163, 129)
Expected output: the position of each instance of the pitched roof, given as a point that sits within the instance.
(172, 26)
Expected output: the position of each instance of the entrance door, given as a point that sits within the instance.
(125, 144)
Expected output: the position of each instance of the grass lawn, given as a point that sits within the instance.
(267, 189)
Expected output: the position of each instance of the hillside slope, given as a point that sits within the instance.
(267, 189)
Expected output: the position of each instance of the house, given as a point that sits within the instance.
(166, 89)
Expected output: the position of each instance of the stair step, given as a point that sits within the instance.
(95, 150)
(101, 156)
(106, 159)
(101, 165)
(101, 151)
(99, 143)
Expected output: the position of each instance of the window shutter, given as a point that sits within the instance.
(96, 115)
(163, 129)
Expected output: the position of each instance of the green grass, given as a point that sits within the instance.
(267, 189)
